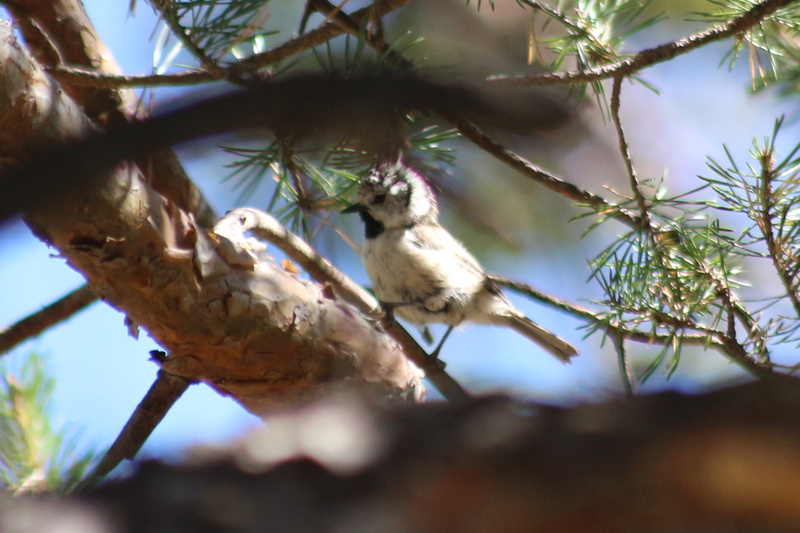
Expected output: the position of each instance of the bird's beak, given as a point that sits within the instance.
(355, 208)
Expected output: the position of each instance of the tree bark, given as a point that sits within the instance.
(255, 332)
(60, 33)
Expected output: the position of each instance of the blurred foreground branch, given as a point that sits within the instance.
(720, 462)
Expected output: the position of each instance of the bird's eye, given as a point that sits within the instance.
(379, 199)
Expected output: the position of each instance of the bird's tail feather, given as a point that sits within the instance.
(558, 347)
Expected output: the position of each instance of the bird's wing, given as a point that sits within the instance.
(443, 248)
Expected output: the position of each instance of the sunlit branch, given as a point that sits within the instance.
(56, 312)
(241, 220)
(652, 56)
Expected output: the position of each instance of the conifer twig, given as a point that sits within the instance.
(591, 317)
(540, 176)
(606, 208)
(651, 56)
(722, 289)
(644, 214)
(85, 77)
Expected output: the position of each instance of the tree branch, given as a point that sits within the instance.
(775, 246)
(602, 206)
(352, 25)
(724, 461)
(162, 395)
(34, 324)
(644, 214)
(169, 15)
(239, 221)
(652, 56)
(64, 26)
(77, 76)
(84, 77)
(255, 333)
(709, 336)
(314, 38)
(608, 209)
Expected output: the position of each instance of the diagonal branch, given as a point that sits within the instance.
(165, 391)
(247, 66)
(555, 184)
(590, 316)
(606, 208)
(36, 323)
(239, 221)
(61, 32)
(260, 336)
(653, 56)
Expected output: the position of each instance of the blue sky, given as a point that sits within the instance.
(102, 373)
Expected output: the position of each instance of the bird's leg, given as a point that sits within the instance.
(388, 309)
(434, 355)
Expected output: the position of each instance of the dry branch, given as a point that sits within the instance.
(253, 332)
(652, 56)
(61, 36)
(165, 391)
(36, 323)
(241, 220)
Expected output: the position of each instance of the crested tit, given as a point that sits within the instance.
(417, 267)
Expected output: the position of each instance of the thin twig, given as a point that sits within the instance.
(625, 370)
(249, 65)
(652, 56)
(168, 14)
(606, 208)
(51, 315)
(675, 285)
(775, 246)
(165, 391)
(316, 37)
(740, 356)
(644, 214)
(36, 36)
(350, 25)
(547, 299)
(241, 220)
(528, 169)
(90, 78)
(709, 337)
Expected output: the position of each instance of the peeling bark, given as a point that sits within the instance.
(255, 332)
(60, 33)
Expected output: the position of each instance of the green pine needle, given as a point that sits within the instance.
(34, 455)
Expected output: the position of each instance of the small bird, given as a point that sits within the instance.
(421, 271)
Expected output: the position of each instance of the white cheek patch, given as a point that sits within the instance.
(398, 189)
(420, 204)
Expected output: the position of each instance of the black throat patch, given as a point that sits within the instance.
(372, 227)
